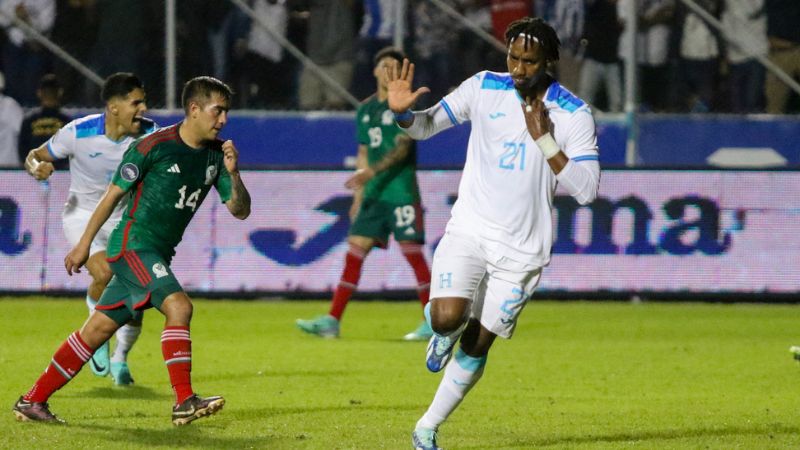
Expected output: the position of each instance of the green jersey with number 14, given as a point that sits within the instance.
(167, 181)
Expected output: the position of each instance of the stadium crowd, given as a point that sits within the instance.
(685, 65)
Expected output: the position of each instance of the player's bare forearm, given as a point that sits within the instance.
(80, 253)
(239, 204)
(397, 155)
(101, 213)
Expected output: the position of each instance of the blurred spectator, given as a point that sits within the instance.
(43, 122)
(472, 54)
(433, 43)
(783, 29)
(219, 23)
(377, 31)
(75, 31)
(506, 11)
(567, 17)
(10, 122)
(652, 49)
(263, 80)
(745, 26)
(24, 59)
(699, 59)
(601, 67)
(120, 40)
(330, 45)
(192, 25)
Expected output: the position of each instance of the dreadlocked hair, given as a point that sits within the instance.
(535, 30)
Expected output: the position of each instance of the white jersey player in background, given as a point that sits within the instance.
(94, 145)
(528, 135)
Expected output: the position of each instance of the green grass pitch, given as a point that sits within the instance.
(577, 375)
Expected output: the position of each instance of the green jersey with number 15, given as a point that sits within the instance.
(167, 181)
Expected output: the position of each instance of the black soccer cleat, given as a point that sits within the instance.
(196, 407)
(34, 412)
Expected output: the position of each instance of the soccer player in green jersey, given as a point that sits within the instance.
(166, 174)
(386, 201)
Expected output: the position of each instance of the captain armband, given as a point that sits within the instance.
(548, 146)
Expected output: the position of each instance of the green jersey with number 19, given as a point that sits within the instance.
(167, 181)
(377, 130)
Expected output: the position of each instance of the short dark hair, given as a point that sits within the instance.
(200, 89)
(49, 82)
(120, 84)
(389, 52)
(535, 29)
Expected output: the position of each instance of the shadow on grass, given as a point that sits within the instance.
(261, 413)
(120, 392)
(199, 436)
(644, 436)
(305, 373)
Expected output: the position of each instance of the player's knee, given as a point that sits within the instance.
(447, 314)
(102, 275)
(178, 309)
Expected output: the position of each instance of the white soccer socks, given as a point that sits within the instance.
(126, 337)
(460, 375)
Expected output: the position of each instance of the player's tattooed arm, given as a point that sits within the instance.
(239, 203)
(396, 155)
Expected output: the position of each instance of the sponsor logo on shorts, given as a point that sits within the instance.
(129, 172)
(160, 270)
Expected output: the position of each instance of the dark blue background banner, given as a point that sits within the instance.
(326, 140)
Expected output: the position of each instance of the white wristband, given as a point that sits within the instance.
(548, 146)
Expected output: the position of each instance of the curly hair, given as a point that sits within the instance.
(535, 30)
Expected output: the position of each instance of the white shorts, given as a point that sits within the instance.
(497, 287)
(74, 221)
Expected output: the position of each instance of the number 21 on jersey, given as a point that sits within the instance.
(513, 157)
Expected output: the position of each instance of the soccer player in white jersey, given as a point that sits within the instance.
(94, 145)
(529, 134)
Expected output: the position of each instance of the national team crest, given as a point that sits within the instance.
(211, 174)
(159, 270)
(387, 118)
(129, 172)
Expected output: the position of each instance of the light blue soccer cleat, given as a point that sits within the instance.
(424, 439)
(323, 326)
(100, 362)
(422, 333)
(440, 349)
(121, 374)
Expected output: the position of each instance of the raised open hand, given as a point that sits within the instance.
(399, 81)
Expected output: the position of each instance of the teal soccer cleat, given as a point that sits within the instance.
(440, 349)
(422, 333)
(121, 374)
(100, 362)
(323, 326)
(424, 439)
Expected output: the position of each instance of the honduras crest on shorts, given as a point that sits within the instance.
(211, 174)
